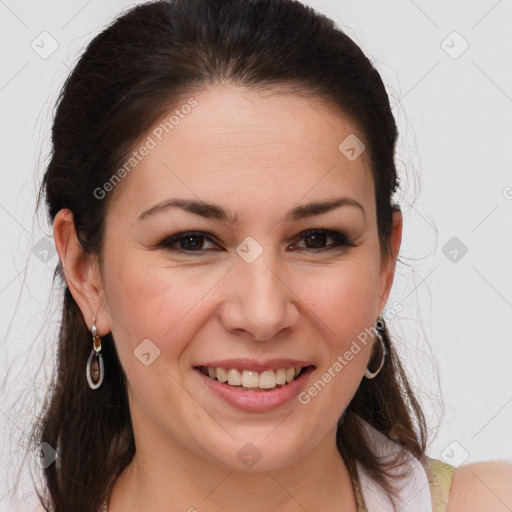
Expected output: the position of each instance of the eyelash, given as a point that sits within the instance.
(340, 240)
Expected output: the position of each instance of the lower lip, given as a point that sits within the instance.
(257, 400)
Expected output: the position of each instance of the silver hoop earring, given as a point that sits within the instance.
(380, 326)
(94, 368)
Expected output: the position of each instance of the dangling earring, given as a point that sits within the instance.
(94, 369)
(380, 325)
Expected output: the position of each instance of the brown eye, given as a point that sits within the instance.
(317, 239)
(185, 242)
(191, 242)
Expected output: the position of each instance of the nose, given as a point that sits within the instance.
(260, 302)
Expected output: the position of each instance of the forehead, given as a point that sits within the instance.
(235, 146)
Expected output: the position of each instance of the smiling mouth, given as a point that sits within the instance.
(250, 380)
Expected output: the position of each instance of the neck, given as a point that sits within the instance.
(165, 475)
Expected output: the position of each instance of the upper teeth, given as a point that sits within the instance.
(251, 379)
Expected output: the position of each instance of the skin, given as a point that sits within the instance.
(482, 486)
(257, 156)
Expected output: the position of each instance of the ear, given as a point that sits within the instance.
(82, 273)
(387, 271)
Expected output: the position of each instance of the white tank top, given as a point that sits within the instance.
(425, 489)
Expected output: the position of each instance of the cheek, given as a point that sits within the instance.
(343, 303)
(147, 301)
(151, 299)
(343, 299)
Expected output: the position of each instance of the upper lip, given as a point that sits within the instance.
(254, 365)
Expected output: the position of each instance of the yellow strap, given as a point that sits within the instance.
(359, 495)
(439, 477)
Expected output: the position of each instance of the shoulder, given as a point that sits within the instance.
(481, 486)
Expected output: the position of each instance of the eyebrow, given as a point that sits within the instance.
(216, 212)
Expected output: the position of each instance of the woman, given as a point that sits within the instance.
(221, 188)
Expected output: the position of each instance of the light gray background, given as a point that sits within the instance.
(454, 157)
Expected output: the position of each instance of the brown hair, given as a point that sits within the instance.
(128, 77)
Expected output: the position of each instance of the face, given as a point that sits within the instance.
(268, 285)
